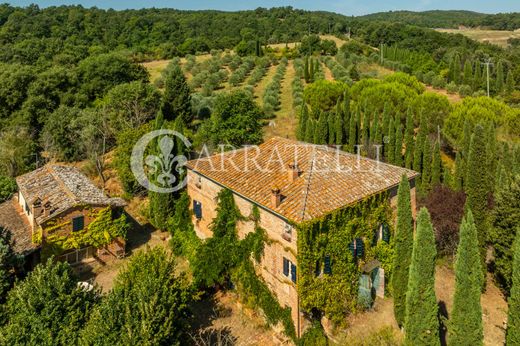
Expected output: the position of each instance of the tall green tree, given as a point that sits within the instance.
(403, 250)
(510, 82)
(477, 189)
(331, 122)
(177, 96)
(436, 165)
(465, 326)
(352, 133)
(426, 175)
(499, 77)
(322, 129)
(147, 306)
(477, 77)
(459, 172)
(421, 322)
(468, 73)
(302, 122)
(506, 223)
(390, 136)
(309, 130)
(339, 129)
(409, 140)
(455, 69)
(48, 307)
(398, 156)
(513, 320)
(10, 261)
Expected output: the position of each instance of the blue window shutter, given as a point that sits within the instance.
(285, 266)
(327, 268)
(293, 273)
(360, 247)
(386, 233)
(78, 223)
(197, 209)
(352, 249)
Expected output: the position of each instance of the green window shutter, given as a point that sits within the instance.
(78, 223)
(327, 269)
(352, 249)
(386, 233)
(360, 247)
(293, 273)
(285, 266)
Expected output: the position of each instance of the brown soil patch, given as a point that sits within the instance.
(453, 98)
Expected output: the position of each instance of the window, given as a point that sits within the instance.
(289, 269)
(78, 223)
(357, 248)
(382, 233)
(287, 232)
(327, 268)
(197, 209)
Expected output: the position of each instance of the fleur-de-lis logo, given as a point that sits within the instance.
(164, 166)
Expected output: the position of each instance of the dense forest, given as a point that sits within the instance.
(449, 19)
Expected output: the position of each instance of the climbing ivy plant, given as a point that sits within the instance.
(328, 242)
(100, 232)
(224, 258)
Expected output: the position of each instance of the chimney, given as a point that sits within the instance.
(46, 209)
(37, 208)
(293, 172)
(276, 197)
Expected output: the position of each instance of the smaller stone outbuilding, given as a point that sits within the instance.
(58, 205)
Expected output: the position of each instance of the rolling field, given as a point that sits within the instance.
(498, 37)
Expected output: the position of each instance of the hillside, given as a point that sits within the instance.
(449, 19)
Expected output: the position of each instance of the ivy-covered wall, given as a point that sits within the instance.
(100, 229)
(328, 278)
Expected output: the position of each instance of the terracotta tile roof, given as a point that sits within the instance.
(13, 219)
(63, 187)
(329, 179)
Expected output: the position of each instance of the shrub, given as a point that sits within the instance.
(7, 188)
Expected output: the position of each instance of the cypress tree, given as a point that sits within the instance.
(513, 320)
(421, 321)
(390, 153)
(510, 82)
(403, 250)
(468, 73)
(491, 155)
(408, 140)
(162, 204)
(302, 123)
(419, 144)
(346, 116)
(306, 72)
(331, 122)
(322, 129)
(398, 156)
(427, 166)
(352, 140)
(365, 131)
(477, 78)
(378, 141)
(436, 165)
(466, 314)
(176, 100)
(459, 172)
(311, 70)
(338, 128)
(374, 135)
(455, 69)
(477, 187)
(500, 77)
(309, 130)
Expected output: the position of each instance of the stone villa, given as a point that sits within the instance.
(58, 200)
(290, 182)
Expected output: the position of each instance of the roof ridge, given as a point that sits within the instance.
(60, 181)
(308, 186)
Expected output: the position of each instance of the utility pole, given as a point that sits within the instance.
(487, 63)
(382, 54)
(349, 33)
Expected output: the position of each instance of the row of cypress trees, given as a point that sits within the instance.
(413, 281)
(377, 136)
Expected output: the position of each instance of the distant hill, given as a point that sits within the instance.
(430, 19)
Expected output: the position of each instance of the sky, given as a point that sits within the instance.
(347, 7)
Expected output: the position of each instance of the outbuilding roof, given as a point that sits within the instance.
(62, 187)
